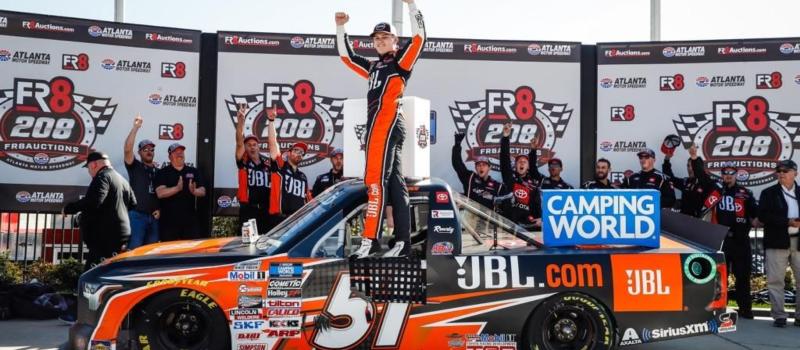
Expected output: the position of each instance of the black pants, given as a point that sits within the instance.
(384, 178)
(173, 231)
(739, 259)
(259, 212)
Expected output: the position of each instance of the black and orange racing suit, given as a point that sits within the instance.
(387, 78)
(526, 201)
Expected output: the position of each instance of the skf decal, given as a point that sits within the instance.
(482, 121)
(46, 125)
(303, 116)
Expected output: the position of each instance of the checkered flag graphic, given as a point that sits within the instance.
(361, 132)
(790, 122)
(688, 124)
(463, 112)
(334, 107)
(250, 100)
(6, 95)
(99, 108)
(558, 114)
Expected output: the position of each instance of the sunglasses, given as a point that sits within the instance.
(644, 157)
(147, 150)
(729, 172)
(298, 152)
(783, 170)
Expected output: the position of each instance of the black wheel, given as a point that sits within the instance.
(570, 321)
(181, 319)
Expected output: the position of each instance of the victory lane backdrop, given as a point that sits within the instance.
(475, 86)
(71, 86)
(736, 100)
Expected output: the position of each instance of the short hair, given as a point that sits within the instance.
(603, 160)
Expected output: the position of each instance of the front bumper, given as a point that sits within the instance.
(79, 335)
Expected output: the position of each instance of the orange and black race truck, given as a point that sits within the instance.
(474, 281)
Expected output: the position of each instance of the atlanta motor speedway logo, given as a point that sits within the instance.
(747, 133)
(482, 122)
(303, 116)
(45, 125)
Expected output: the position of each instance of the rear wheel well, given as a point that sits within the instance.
(525, 335)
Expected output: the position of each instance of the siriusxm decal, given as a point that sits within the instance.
(572, 217)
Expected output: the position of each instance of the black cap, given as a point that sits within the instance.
(646, 152)
(335, 152)
(174, 146)
(786, 164)
(555, 162)
(144, 143)
(94, 156)
(729, 168)
(383, 27)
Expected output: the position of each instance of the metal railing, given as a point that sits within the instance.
(29, 236)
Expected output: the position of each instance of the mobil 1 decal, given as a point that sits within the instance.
(753, 134)
(303, 116)
(482, 122)
(48, 125)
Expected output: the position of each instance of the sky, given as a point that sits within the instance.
(586, 21)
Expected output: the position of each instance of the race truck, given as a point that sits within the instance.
(474, 280)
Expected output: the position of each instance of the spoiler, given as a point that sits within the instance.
(693, 229)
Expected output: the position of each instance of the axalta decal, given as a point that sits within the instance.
(751, 134)
(303, 116)
(482, 122)
(47, 125)
(651, 284)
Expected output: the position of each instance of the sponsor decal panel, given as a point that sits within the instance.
(491, 341)
(652, 284)
(492, 272)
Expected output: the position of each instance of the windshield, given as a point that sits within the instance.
(476, 216)
(309, 212)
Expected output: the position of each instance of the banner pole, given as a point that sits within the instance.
(655, 20)
(397, 16)
(119, 11)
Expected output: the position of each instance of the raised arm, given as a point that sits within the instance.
(240, 131)
(533, 159)
(128, 148)
(357, 63)
(274, 148)
(505, 157)
(458, 163)
(411, 51)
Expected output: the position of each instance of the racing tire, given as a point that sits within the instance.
(181, 319)
(570, 321)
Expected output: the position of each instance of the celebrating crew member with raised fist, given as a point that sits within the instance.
(735, 206)
(141, 173)
(696, 187)
(525, 207)
(387, 78)
(253, 177)
(289, 186)
(479, 184)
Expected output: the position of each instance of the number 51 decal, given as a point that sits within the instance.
(352, 320)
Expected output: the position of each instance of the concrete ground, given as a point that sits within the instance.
(750, 335)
